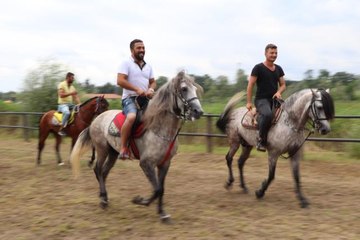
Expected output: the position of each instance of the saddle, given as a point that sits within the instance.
(137, 129)
(57, 118)
(249, 119)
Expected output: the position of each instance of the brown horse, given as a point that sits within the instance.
(83, 116)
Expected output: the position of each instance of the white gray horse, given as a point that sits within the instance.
(173, 103)
(285, 137)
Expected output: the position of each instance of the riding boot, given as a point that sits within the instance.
(61, 131)
(261, 145)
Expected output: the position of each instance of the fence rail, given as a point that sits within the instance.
(208, 134)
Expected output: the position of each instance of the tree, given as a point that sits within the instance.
(40, 86)
(206, 82)
(241, 80)
(107, 88)
(88, 87)
(161, 81)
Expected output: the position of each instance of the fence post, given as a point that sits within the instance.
(26, 127)
(209, 132)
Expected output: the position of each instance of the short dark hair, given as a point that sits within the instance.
(69, 74)
(270, 46)
(132, 44)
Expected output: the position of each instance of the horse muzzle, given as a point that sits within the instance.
(197, 113)
(323, 128)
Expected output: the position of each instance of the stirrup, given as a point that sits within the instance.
(260, 146)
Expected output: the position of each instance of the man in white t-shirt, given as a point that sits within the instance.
(136, 77)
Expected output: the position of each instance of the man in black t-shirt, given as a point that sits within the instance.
(270, 82)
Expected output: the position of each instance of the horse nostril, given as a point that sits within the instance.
(323, 131)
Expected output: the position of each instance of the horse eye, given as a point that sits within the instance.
(184, 89)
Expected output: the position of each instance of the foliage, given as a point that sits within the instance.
(40, 86)
(40, 95)
(9, 106)
(161, 81)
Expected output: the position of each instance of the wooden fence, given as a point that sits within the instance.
(209, 134)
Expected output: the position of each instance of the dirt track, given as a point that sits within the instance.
(46, 203)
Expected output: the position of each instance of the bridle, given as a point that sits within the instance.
(314, 111)
(186, 113)
(98, 109)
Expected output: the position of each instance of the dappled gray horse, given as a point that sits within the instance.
(173, 103)
(286, 136)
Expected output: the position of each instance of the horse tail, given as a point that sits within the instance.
(82, 144)
(225, 116)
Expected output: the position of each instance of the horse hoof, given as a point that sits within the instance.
(228, 186)
(245, 190)
(140, 201)
(104, 204)
(61, 164)
(166, 218)
(137, 200)
(304, 204)
(259, 194)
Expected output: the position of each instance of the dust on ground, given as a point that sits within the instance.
(45, 202)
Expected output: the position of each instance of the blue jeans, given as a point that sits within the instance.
(129, 105)
(65, 109)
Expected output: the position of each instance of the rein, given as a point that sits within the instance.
(185, 115)
(168, 151)
(314, 123)
(77, 109)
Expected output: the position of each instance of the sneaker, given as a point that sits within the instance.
(124, 155)
(261, 146)
(62, 133)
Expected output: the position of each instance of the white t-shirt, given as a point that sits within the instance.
(136, 76)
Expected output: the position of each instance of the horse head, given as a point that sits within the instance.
(322, 110)
(186, 92)
(102, 105)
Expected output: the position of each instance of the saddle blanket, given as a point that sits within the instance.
(57, 118)
(138, 130)
(118, 122)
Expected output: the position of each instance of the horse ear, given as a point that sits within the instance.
(328, 90)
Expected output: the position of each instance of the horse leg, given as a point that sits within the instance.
(229, 158)
(241, 162)
(91, 161)
(149, 171)
(296, 174)
(162, 172)
(101, 171)
(265, 184)
(43, 134)
(57, 149)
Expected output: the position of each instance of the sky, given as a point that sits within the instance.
(215, 37)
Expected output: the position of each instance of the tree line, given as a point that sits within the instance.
(40, 86)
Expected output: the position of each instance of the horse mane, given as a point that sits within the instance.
(326, 99)
(87, 101)
(328, 104)
(164, 101)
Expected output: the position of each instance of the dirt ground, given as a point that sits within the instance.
(47, 203)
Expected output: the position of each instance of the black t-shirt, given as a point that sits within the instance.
(267, 80)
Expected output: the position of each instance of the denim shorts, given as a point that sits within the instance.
(129, 105)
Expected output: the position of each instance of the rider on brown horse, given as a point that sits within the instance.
(67, 96)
